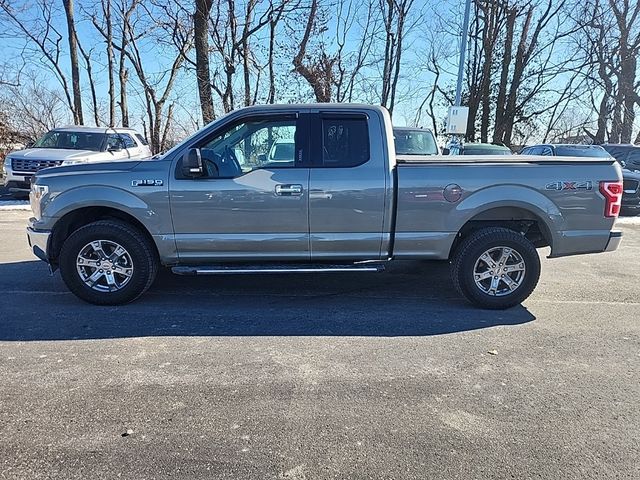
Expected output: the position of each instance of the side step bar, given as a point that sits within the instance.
(262, 269)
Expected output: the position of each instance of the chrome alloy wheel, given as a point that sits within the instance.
(499, 271)
(104, 265)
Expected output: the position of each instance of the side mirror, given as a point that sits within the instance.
(262, 158)
(192, 163)
(446, 151)
(115, 148)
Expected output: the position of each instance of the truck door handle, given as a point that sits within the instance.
(289, 190)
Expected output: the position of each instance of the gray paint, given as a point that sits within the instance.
(343, 214)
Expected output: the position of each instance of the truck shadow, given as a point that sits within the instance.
(410, 299)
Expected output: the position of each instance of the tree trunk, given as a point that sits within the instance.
(499, 124)
(319, 75)
(271, 97)
(106, 9)
(73, 55)
(201, 40)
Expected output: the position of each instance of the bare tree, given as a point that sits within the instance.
(201, 41)
(42, 38)
(73, 56)
(609, 36)
(317, 70)
(395, 14)
(31, 109)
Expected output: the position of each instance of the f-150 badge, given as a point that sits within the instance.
(147, 183)
(586, 185)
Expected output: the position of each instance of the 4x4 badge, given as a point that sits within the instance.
(586, 185)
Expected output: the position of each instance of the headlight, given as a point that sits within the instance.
(38, 191)
(7, 161)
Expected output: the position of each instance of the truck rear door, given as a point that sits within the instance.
(348, 182)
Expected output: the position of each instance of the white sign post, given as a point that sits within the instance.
(457, 120)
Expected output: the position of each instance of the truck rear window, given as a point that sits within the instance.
(345, 141)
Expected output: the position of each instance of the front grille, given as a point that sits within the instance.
(32, 166)
(630, 185)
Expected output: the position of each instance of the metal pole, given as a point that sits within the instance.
(463, 51)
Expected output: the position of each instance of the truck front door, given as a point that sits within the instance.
(249, 205)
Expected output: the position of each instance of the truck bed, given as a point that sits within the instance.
(498, 159)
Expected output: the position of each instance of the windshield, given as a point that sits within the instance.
(582, 151)
(415, 142)
(72, 141)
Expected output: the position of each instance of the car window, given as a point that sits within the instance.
(471, 149)
(345, 141)
(414, 142)
(582, 151)
(115, 142)
(71, 140)
(142, 140)
(128, 141)
(250, 145)
(282, 151)
(546, 151)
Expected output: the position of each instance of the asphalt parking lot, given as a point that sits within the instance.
(330, 376)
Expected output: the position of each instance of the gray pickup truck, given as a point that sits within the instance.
(334, 197)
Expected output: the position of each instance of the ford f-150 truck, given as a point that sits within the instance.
(343, 202)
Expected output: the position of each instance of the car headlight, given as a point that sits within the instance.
(39, 191)
(7, 161)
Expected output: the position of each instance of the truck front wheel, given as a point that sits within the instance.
(108, 262)
(495, 268)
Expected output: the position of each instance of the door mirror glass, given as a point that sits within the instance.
(192, 163)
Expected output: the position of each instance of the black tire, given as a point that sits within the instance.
(469, 253)
(142, 254)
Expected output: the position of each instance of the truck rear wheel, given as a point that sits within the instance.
(495, 268)
(108, 263)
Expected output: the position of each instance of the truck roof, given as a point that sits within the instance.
(309, 106)
(83, 128)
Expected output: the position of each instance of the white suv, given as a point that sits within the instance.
(71, 145)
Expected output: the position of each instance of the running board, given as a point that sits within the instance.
(261, 269)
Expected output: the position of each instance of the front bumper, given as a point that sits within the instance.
(39, 243)
(614, 240)
(17, 182)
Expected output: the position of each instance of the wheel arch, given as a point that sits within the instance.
(80, 217)
(517, 218)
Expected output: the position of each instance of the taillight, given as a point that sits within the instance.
(612, 192)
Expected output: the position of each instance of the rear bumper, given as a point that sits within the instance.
(614, 240)
(578, 242)
(39, 243)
